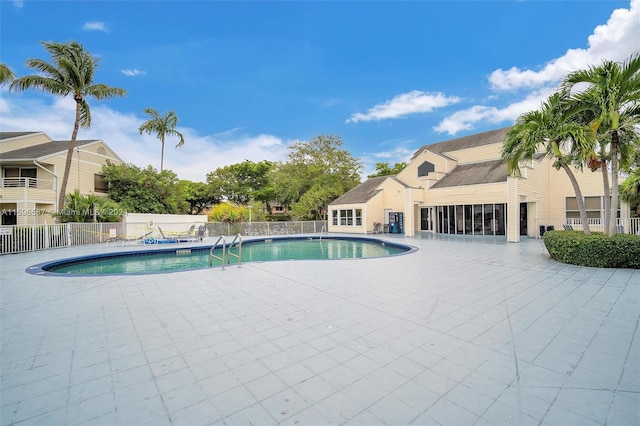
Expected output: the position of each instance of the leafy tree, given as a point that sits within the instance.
(630, 188)
(630, 191)
(6, 75)
(161, 126)
(321, 161)
(240, 183)
(613, 95)
(83, 208)
(144, 190)
(198, 195)
(553, 128)
(383, 169)
(314, 202)
(228, 213)
(71, 72)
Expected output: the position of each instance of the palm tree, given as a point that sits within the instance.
(71, 72)
(6, 75)
(551, 127)
(161, 127)
(616, 90)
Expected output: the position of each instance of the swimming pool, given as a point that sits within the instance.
(198, 257)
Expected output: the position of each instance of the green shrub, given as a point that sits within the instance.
(597, 249)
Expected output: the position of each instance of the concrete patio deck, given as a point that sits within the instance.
(457, 333)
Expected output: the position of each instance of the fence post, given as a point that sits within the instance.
(68, 232)
(46, 235)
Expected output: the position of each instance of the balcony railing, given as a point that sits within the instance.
(25, 182)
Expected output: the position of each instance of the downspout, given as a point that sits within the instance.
(55, 181)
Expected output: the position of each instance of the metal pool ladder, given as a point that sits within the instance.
(226, 251)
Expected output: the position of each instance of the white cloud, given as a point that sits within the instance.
(133, 73)
(614, 41)
(94, 26)
(465, 119)
(18, 4)
(200, 154)
(402, 150)
(407, 103)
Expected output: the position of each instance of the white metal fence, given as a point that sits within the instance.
(20, 238)
(623, 226)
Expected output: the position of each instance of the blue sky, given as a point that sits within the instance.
(248, 79)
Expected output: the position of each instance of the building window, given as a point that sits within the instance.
(100, 185)
(346, 217)
(425, 168)
(593, 205)
(479, 219)
(23, 176)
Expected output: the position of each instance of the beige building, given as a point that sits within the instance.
(32, 167)
(461, 187)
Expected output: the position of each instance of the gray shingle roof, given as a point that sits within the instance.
(473, 174)
(361, 193)
(471, 141)
(41, 150)
(9, 135)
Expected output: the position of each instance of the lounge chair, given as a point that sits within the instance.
(568, 227)
(202, 232)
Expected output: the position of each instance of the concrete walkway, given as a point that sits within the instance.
(457, 333)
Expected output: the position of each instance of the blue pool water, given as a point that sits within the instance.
(187, 258)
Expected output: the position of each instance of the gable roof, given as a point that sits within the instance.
(474, 174)
(11, 135)
(471, 141)
(363, 192)
(42, 150)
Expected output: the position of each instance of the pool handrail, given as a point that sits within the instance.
(211, 255)
(237, 241)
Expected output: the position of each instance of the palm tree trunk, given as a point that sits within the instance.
(67, 165)
(614, 182)
(607, 197)
(579, 198)
(162, 153)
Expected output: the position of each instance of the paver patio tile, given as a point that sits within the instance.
(253, 415)
(219, 383)
(295, 374)
(284, 404)
(183, 397)
(87, 409)
(314, 389)
(470, 399)
(392, 410)
(448, 413)
(265, 386)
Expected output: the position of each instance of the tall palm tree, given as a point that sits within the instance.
(161, 126)
(70, 72)
(550, 132)
(6, 75)
(616, 90)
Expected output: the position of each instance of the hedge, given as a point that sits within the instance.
(597, 249)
